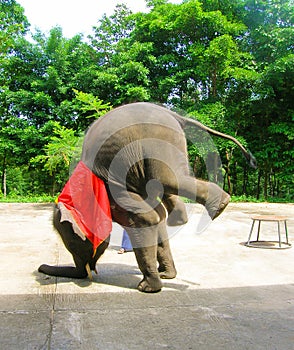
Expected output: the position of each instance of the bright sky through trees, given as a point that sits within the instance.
(74, 16)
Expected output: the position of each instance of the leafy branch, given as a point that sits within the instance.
(91, 103)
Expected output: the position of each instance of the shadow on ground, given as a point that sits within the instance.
(118, 275)
(228, 318)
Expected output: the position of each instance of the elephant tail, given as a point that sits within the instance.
(192, 122)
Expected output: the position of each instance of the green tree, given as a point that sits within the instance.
(18, 143)
(270, 39)
(91, 104)
(58, 153)
(228, 63)
(110, 31)
(64, 144)
(122, 75)
(192, 48)
(13, 23)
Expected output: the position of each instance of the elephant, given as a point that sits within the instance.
(139, 151)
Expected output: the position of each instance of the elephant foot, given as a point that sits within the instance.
(168, 274)
(225, 201)
(177, 214)
(167, 269)
(217, 202)
(150, 285)
(177, 218)
(63, 271)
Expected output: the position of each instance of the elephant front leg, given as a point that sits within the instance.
(141, 222)
(147, 262)
(166, 267)
(144, 242)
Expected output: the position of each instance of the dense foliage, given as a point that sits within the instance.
(228, 63)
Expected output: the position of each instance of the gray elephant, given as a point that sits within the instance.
(139, 153)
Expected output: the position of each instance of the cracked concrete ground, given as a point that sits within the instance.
(226, 295)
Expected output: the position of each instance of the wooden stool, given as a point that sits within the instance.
(269, 244)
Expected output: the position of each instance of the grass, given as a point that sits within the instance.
(251, 199)
(27, 199)
(45, 198)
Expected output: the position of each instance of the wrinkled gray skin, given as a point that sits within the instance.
(140, 152)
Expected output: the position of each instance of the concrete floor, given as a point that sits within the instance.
(226, 295)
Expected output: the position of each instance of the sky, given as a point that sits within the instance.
(73, 16)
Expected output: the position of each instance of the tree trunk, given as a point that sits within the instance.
(53, 184)
(3, 180)
(229, 174)
(258, 185)
(245, 181)
(225, 180)
(214, 82)
(265, 184)
(4, 183)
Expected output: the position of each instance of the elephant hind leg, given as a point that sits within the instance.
(206, 193)
(177, 214)
(217, 201)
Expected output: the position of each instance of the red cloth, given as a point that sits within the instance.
(86, 199)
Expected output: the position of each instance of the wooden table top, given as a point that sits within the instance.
(269, 218)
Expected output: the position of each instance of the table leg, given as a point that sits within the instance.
(259, 223)
(279, 232)
(252, 226)
(286, 232)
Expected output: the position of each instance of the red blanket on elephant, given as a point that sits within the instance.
(84, 202)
